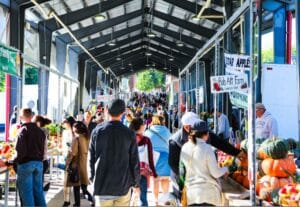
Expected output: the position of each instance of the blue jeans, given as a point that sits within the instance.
(30, 183)
(143, 196)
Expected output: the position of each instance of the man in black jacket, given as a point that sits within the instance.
(114, 161)
(30, 152)
(181, 137)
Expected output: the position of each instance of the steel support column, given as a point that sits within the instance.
(298, 55)
(258, 95)
(289, 38)
(279, 36)
(17, 16)
(45, 38)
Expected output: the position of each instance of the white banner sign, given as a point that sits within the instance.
(228, 83)
(105, 98)
(236, 63)
(200, 95)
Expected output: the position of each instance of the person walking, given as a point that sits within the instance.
(146, 157)
(77, 158)
(114, 161)
(200, 169)
(67, 137)
(265, 124)
(30, 153)
(41, 122)
(159, 135)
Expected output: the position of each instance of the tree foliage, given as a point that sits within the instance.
(267, 55)
(150, 79)
(2, 81)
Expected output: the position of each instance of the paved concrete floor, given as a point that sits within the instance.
(54, 197)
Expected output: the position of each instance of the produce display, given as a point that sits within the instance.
(289, 195)
(276, 181)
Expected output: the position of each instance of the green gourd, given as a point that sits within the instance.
(276, 148)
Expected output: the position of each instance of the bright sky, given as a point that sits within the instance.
(267, 39)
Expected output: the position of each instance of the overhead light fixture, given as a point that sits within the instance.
(122, 67)
(118, 58)
(112, 43)
(180, 43)
(171, 58)
(147, 65)
(129, 64)
(148, 53)
(100, 17)
(165, 68)
(151, 34)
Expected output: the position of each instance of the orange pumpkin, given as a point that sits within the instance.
(246, 182)
(240, 178)
(278, 168)
(261, 154)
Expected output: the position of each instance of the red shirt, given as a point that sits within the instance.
(142, 140)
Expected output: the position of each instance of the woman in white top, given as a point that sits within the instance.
(200, 169)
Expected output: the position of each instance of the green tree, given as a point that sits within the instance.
(267, 56)
(2, 81)
(150, 79)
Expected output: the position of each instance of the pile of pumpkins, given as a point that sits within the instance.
(240, 175)
(275, 168)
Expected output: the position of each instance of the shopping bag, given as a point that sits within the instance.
(183, 197)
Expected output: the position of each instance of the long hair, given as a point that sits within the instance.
(136, 123)
(80, 128)
(43, 121)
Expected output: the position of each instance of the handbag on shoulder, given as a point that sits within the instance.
(73, 174)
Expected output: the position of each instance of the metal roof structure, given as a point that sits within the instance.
(127, 24)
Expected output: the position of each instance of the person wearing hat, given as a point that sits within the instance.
(199, 168)
(114, 160)
(265, 124)
(181, 137)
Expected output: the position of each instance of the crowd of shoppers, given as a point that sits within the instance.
(118, 148)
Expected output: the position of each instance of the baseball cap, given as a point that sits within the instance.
(200, 126)
(189, 118)
(260, 106)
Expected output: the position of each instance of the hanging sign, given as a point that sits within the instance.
(238, 65)
(105, 98)
(228, 83)
(9, 60)
(200, 94)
